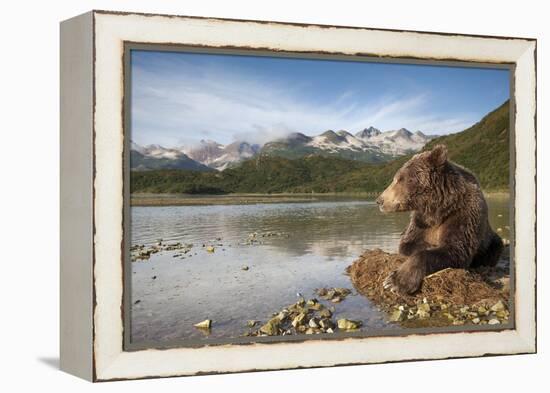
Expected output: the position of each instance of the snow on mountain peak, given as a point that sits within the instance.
(367, 141)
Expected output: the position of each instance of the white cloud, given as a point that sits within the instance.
(184, 107)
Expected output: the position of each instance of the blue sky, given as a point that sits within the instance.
(180, 98)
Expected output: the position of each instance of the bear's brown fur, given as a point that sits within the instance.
(449, 224)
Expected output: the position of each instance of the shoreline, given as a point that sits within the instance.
(250, 199)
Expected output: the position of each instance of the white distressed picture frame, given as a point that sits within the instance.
(92, 203)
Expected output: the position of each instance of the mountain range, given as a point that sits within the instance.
(369, 145)
(483, 148)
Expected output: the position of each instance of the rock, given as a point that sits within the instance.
(299, 319)
(325, 313)
(481, 310)
(342, 291)
(313, 323)
(282, 315)
(398, 316)
(312, 302)
(206, 324)
(329, 330)
(271, 328)
(251, 323)
(502, 314)
(423, 311)
(210, 249)
(335, 295)
(326, 324)
(476, 320)
(244, 267)
(494, 321)
(347, 324)
(498, 306)
(154, 277)
(449, 316)
(322, 292)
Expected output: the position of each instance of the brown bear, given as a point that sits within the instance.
(449, 224)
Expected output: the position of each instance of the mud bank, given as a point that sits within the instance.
(448, 297)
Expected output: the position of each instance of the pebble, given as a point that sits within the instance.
(423, 311)
(313, 323)
(398, 316)
(498, 306)
(347, 324)
(299, 319)
(494, 321)
(271, 328)
(206, 324)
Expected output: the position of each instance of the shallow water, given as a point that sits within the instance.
(316, 242)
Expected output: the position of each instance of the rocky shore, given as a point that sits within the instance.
(448, 297)
(142, 252)
(306, 317)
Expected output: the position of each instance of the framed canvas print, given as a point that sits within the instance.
(248, 195)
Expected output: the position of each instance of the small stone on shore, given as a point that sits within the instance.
(347, 324)
(206, 324)
(398, 316)
(498, 306)
(271, 328)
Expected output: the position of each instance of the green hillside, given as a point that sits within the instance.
(263, 174)
(483, 148)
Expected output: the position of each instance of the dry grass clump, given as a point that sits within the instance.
(455, 286)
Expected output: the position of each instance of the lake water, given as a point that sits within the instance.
(313, 244)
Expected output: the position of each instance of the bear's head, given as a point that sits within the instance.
(414, 181)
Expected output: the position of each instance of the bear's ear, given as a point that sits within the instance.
(438, 155)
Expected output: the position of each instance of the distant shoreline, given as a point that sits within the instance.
(251, 199)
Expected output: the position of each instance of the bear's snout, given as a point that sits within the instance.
(380, 203)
